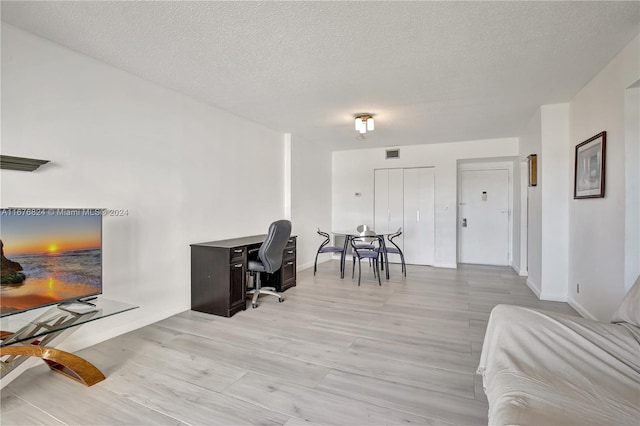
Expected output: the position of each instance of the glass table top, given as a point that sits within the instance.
(40, 322)
(357, 234)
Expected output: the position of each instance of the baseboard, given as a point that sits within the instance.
(553, 297)
(518, 271)
(435, 265)
(300, 267)
(581, 309)
(323, 259)
(533, 288)
(446, 265)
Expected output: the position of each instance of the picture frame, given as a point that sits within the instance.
(589, 171)
(532, 161)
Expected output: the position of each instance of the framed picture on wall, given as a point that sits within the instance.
(590, 167)
(533, 169)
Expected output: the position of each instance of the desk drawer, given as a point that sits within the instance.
(291, 242)
(237, 254)
(289, 253)
(288, 271)
(290, 249)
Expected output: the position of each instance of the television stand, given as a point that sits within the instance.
(32, 334)
(78, 307)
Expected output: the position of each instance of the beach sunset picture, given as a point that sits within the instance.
(49, 257)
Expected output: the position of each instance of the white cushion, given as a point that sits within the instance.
(629, 310)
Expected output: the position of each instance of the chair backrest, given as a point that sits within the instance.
(395, 234)
(326, 238)
(271, 251)
(367, 236)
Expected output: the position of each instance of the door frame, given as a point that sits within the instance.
(479, 166)
(523, 268)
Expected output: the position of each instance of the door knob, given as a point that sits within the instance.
(464, 222)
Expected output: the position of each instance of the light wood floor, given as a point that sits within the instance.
(332, 354)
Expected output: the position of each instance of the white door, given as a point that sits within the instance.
(396, 195)
(387, 215)
(418, 232)
(381, 200)
(483, 217)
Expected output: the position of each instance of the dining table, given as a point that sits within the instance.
(349, 235)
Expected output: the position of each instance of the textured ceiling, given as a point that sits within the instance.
(430, 71)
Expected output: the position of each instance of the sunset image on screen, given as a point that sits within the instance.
(49, 234)
(49, 258)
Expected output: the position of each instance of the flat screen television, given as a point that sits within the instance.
(49, 256)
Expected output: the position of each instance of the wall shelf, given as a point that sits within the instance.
(19, 163)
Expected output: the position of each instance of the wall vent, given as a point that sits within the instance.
(19, 163)
(392, 153)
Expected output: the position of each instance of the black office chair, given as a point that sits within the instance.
(324, 248)
(269, 259)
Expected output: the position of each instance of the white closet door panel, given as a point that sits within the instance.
(381, 200)
(396, 197)
(419, 217)
(410, 230)
(426, 222)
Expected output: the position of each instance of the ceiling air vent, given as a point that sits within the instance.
(392, 153)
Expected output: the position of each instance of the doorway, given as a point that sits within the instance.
(484, 215)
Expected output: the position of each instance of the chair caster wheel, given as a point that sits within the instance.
(253, 305)
(280, 300)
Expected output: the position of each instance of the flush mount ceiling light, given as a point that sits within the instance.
(364, 124)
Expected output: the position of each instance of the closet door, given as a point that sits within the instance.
(419, 216)
(396, 203)
(388, 204)
(381, 200)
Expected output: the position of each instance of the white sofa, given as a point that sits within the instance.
(542, 368)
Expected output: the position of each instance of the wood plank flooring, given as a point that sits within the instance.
(332, 354)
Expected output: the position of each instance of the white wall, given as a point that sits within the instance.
(531, 143)
(597, 225)
(555, 195)
(521, 267)
(310, 197)
(632, 184)
(185, 171)
(547, 136)
(516, 216)
(353, 172)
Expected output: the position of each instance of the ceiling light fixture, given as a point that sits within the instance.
(364, 124)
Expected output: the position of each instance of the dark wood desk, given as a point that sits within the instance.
(219, 273)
